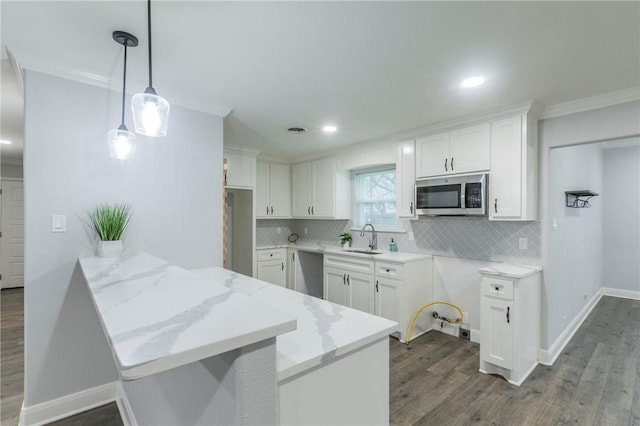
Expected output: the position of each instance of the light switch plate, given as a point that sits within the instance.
(58, 223)
(523, 243)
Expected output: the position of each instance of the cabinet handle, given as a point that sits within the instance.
(309, 210)
(411, 208)
(377, 289)
(451, 163)
(445, 164)
(508, 315)
(267, 210)
(344, 279)
(271, 255)
(348, 283)
(293, 256)
(271, 209)
(312, 210)
(495, 205)
(283, 266)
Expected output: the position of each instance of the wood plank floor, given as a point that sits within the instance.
(435, 380)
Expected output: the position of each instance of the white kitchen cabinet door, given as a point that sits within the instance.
(240, 170)
(280, 191)
(262, 190)
(406, 180)
(432, 152)
(505, 183)
(324, 187)
(335, 286)
(360, 292)
(273, 271)
(301, 190)
(469, 149)
(496, 324)
(388, 298)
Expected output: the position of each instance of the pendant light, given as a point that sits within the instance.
(121, 140)
(150, 111)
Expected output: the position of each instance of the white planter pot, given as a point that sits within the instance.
(110, 248)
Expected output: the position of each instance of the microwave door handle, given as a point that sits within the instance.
(463, 195)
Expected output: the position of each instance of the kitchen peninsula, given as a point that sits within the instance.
(211, 346)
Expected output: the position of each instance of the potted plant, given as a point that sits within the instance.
(345, 239)
(109, 222)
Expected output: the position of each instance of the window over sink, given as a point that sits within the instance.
(374, 198)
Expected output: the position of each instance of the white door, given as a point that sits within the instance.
(273, 271)
(432, 155)
(496, 323)
(324, 186)
(280, 190)
(406, 180)
(301, 188)
(12, 234)
(262, 190)
(505, 182)
(387, 299)
(360, 292)
(335, 282)
(469, 149)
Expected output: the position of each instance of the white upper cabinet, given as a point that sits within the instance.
(512, 183)
(405, 180)
(459, 151)
(273, 191)
(240, 170)
(319, 191)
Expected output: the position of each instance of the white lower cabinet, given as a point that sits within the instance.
(509, 324)
(393, 290)
(272, 266)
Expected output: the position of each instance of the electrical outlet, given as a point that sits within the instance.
(523, 243)
(465, 333)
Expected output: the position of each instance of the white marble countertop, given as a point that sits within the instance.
(325, 330)
(510, 271)
(157, 316)
(387, 256)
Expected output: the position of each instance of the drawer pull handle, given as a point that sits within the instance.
(283, 266)
(508, 321)
(377, 288)
(388, 270)
(497, 288)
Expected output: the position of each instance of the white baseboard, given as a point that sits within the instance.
(549, 356)
(475, 335)
(615, 292)
(68, 405)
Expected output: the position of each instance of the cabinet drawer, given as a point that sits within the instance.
(389, 270)
(351, 263)
(276, 254)
(498, 288)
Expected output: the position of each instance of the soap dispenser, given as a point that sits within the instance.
(393, 247)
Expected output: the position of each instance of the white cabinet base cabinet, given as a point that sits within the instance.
(351, 390)
(509, 322)
(390, 289)
(272, 266)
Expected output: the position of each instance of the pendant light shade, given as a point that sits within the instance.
(150, 111)
(122, 142)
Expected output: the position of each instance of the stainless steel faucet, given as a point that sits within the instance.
(373, 242)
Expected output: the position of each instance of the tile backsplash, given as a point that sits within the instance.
(464, 237)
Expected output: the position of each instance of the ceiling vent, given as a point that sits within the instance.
(296, 130)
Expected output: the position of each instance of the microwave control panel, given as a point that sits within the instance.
(474, 195)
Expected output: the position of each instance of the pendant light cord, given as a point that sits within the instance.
(149, 38)
(124, 80)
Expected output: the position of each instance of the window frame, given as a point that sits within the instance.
(400, 226)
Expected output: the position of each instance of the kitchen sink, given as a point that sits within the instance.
(361, 251)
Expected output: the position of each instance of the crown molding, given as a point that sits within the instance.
(594, 102)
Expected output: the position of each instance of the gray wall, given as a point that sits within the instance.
(172, 184)
(621, 200)
(618, 121)
(575, 262)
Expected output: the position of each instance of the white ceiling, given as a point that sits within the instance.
(371, 68)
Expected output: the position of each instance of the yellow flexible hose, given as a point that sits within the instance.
(422, 308)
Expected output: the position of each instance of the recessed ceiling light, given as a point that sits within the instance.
(329, 129)
(296, 130)
(472, 81)
(5, 142)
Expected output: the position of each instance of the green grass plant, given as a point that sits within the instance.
(109, 220)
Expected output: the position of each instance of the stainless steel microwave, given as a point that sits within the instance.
(452, 196)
